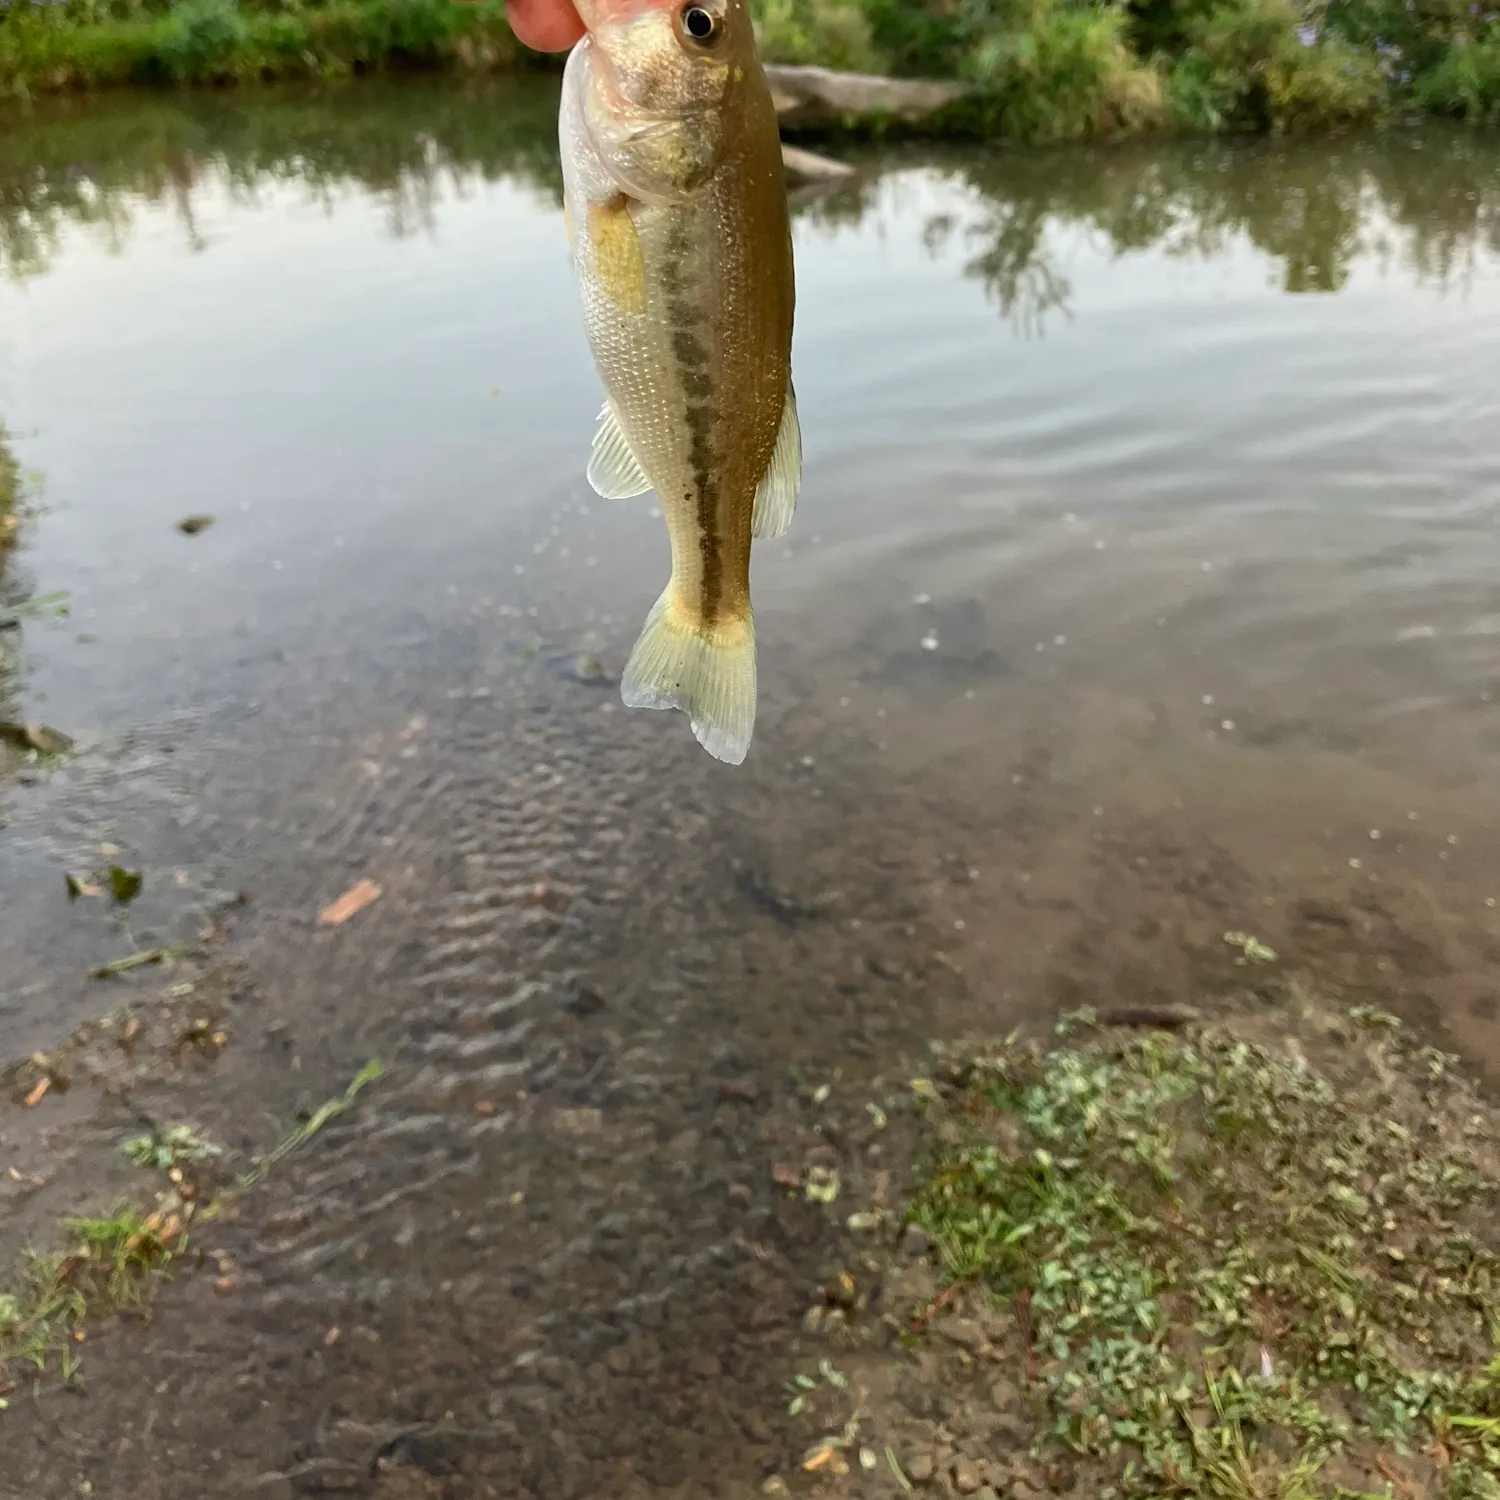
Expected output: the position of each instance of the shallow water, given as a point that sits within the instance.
(1142, 589)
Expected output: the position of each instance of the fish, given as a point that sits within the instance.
(675, 202)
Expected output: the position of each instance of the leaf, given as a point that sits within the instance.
(354, 900)
(124, 885)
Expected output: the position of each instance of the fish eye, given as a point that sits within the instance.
(700, 25)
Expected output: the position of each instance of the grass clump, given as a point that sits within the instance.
(109, 1265)
(1244, 1275)
(114, 1264)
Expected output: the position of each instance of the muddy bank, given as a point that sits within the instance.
(569, 1244)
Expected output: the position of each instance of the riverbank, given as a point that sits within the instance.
(1061, 71)
(1246, 1253)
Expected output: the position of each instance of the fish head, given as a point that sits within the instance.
(664, 76)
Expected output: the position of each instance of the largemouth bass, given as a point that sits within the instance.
(677, 217)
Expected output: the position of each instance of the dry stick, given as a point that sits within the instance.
(942, 1299)
(1023, 1317)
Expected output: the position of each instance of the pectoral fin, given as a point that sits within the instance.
(776, 499)
(614, 472)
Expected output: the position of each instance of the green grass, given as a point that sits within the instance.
(108, 1265)
(1247, 1277)
(114, 1264)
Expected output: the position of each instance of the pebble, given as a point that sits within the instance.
(965, 1476)
(578, 1122)
(1004, 1395)
(919, 1468)
(964, 1332)
(915, 1242)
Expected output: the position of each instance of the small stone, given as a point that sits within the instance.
(916, 1242)
(842, 1290)
(986, 1492)
(919, 1468)
(965, 1476)
(618, 1360)
(578, 1122)
(964, 1332)
(1004, 1396)
(704, 1365)
(740, 1195)
(775, 1485)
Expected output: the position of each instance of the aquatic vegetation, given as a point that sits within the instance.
(1248, 1266)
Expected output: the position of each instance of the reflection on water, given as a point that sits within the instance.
(1430, 200)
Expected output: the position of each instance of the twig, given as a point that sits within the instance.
(1023, 1318)
(136, 961)
(920, 1321)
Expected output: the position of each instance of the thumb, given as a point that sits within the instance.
(545, 25)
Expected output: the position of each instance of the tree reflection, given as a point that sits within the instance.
(1428, 201)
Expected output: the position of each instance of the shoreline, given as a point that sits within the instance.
(1262, 67)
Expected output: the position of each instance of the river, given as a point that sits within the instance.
(1143, 589)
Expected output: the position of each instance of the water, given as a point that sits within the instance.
(1142, 589)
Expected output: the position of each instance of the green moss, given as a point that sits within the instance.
(1245, 1275)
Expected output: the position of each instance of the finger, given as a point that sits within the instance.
(546, 25)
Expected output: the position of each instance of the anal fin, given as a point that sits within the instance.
(776, 498)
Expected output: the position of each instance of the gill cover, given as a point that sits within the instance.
(661, 77)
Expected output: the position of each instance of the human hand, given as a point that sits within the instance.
(545, 25)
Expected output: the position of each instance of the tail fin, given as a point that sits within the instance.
(708, 671)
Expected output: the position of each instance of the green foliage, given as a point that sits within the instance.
(200, 39)
(1068, 76)
(1466, 80)
(1255, 64)
(827, 33)
(90, 43)
(1042, 70)
(1241, 1273)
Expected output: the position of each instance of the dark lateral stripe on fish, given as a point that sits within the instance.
(693, 366)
